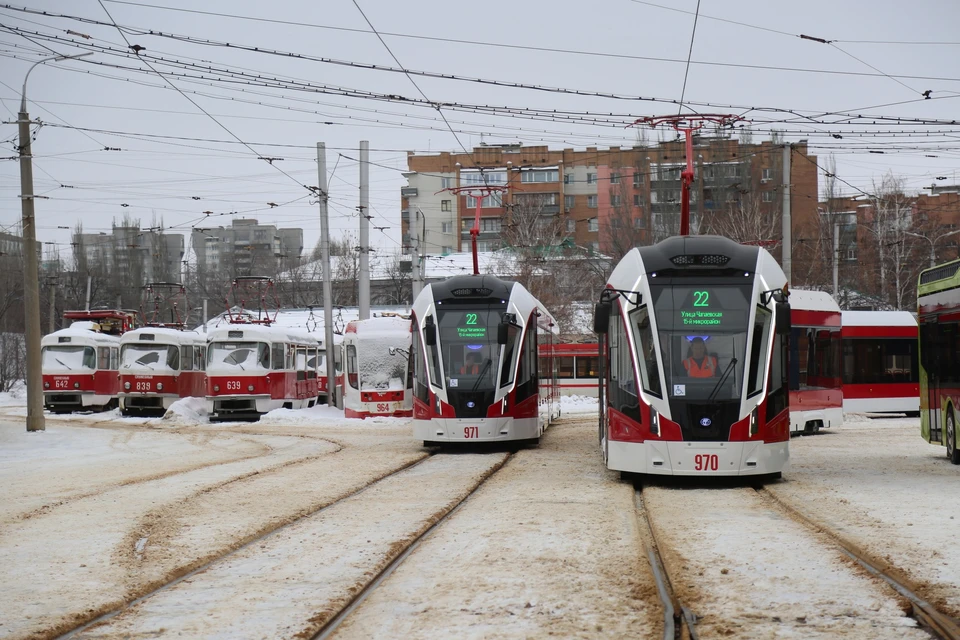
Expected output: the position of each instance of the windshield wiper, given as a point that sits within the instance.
(726, 372)
(486, 365)
(61, 362)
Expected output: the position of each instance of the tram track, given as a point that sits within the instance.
(677, 618)
(935, 621)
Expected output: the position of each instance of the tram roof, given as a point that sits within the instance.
(809, 300)
(173, 335)
(81, 335)
(878, 319)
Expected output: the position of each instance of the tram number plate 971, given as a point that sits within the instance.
(471, 432)
(706, 462)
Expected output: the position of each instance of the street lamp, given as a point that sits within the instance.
(933, 251)
(31, 277)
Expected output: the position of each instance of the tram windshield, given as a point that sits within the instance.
(703, 339)
(68, 358)
(238, 355)
(469, 349)
(150, 356)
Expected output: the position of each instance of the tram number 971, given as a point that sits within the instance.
(471, 432)
(706, 462)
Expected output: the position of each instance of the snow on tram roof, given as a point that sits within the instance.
(810, 300)
(263, 332)
(878, 319)
(312, 319)
(79, 334)
(380, 326)
(176, 335)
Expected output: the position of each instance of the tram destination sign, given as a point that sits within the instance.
(699, 313)
(471, 326)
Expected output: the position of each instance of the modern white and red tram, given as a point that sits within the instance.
(255, 368)
(378, 381)
(476, 371)
(158, 366)
(694, 333)
(880, 369)
(816, 394)
(79, 363)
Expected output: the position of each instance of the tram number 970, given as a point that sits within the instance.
(471, 432)
(706, 462)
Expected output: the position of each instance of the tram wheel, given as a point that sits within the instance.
(952, 453)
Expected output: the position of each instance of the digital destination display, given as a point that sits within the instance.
(701, 314)
(470, 327)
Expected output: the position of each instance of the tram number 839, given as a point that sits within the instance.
(706, 462)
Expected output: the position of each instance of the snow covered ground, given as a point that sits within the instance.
(880, 485)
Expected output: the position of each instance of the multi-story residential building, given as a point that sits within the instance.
(246, 248)
(147, 255)
(11, 244)
(609, 200)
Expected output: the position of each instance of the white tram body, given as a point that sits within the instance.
(881, 372)
(476, 374)
(255, 368)
(79, 368)
(376, 380)
(158, 366)
(662, 411)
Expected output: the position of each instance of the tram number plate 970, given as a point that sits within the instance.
(471, 432)
(706, 462)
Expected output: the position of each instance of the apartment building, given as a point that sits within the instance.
(245, 248)
(147, 255)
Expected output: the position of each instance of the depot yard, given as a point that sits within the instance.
(277, 526)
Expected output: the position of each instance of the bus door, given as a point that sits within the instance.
(933, 339)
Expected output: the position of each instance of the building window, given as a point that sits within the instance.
(491, 201)
(549, 175)
(568, 202)
(593, 224)
(444, 205)
(489, 224)
(591, 178)
(731, 195)
(592, 202)
(615, 200)
(636, 200)
(614, 178)
(487, 177)
(567, 178)
(767, 196)
(594, 247)
(446, 227)
(637, 180)
(639, 223)
(571, 225)
(765, 175)
(852, 251)
(447, 249)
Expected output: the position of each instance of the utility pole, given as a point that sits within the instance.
(363, 291)
(53, 305)
(787, 229)
(836, 260)
(31, 270)
(416, 280)
(327, 288)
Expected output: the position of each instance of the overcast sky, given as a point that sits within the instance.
(174, 162)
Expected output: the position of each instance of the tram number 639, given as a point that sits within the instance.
(471, 432)
(706, 462)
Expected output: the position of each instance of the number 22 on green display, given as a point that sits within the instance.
(701, 298)
(471, 318)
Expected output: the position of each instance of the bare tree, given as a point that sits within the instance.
(889, 223)
(397, 289)
(746, 222)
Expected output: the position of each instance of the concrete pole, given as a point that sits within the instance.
(836, 260)
(53, 306)
(416, 273)
(31, 275)
(787, 229)
(205, 316)
(363, 292)
(327, 288)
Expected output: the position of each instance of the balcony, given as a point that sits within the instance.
(408, 192)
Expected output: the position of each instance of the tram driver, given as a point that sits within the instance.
(700, 364)
(472, 365)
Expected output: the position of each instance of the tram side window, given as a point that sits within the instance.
(623, 394)
(312, 361)
(301, 363)
(173, 358)
(279, 351)
(506, 371)
(646, 352)
(114, 358)
(886, 360)
(103, 360)
(420, 389)
(777, 399)
(200, 358)
(527, 382)
(588, 367)
(290, 359)
(758, 350)
(186, 358)
(434, 359)
(352, 370)
(564, 366)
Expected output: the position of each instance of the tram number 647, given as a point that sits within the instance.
(471, 432)
(706, 462)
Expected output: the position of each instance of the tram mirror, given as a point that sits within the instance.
(503, 333)
(430, 332)
(783, 318)
(601, 317)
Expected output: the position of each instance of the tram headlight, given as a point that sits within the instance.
(754, 423)
(76, 385)
(654, 422)
(249, 387)
(159, 386)
(216, 388)
(46, 385)
(126, 386)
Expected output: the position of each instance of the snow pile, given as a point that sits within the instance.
(325, 415)
(15, 397)
(188, 411)
(578, 404)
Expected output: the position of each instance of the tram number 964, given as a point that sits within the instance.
(706, 462)
(471, 432)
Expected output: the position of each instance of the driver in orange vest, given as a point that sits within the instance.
(699, 364)
(472, 365)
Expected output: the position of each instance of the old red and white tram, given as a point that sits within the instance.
(881, 373)
(158, 366)
(694, 334)
(254, 368)
(377, 381)
(79, 363)
(816, 391)
(477, 377)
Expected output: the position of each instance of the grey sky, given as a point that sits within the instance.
(163, 177)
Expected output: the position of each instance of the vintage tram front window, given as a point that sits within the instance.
(703, 339)
(149, 356)
(467, 339)
(239, 355)
(68, 358)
